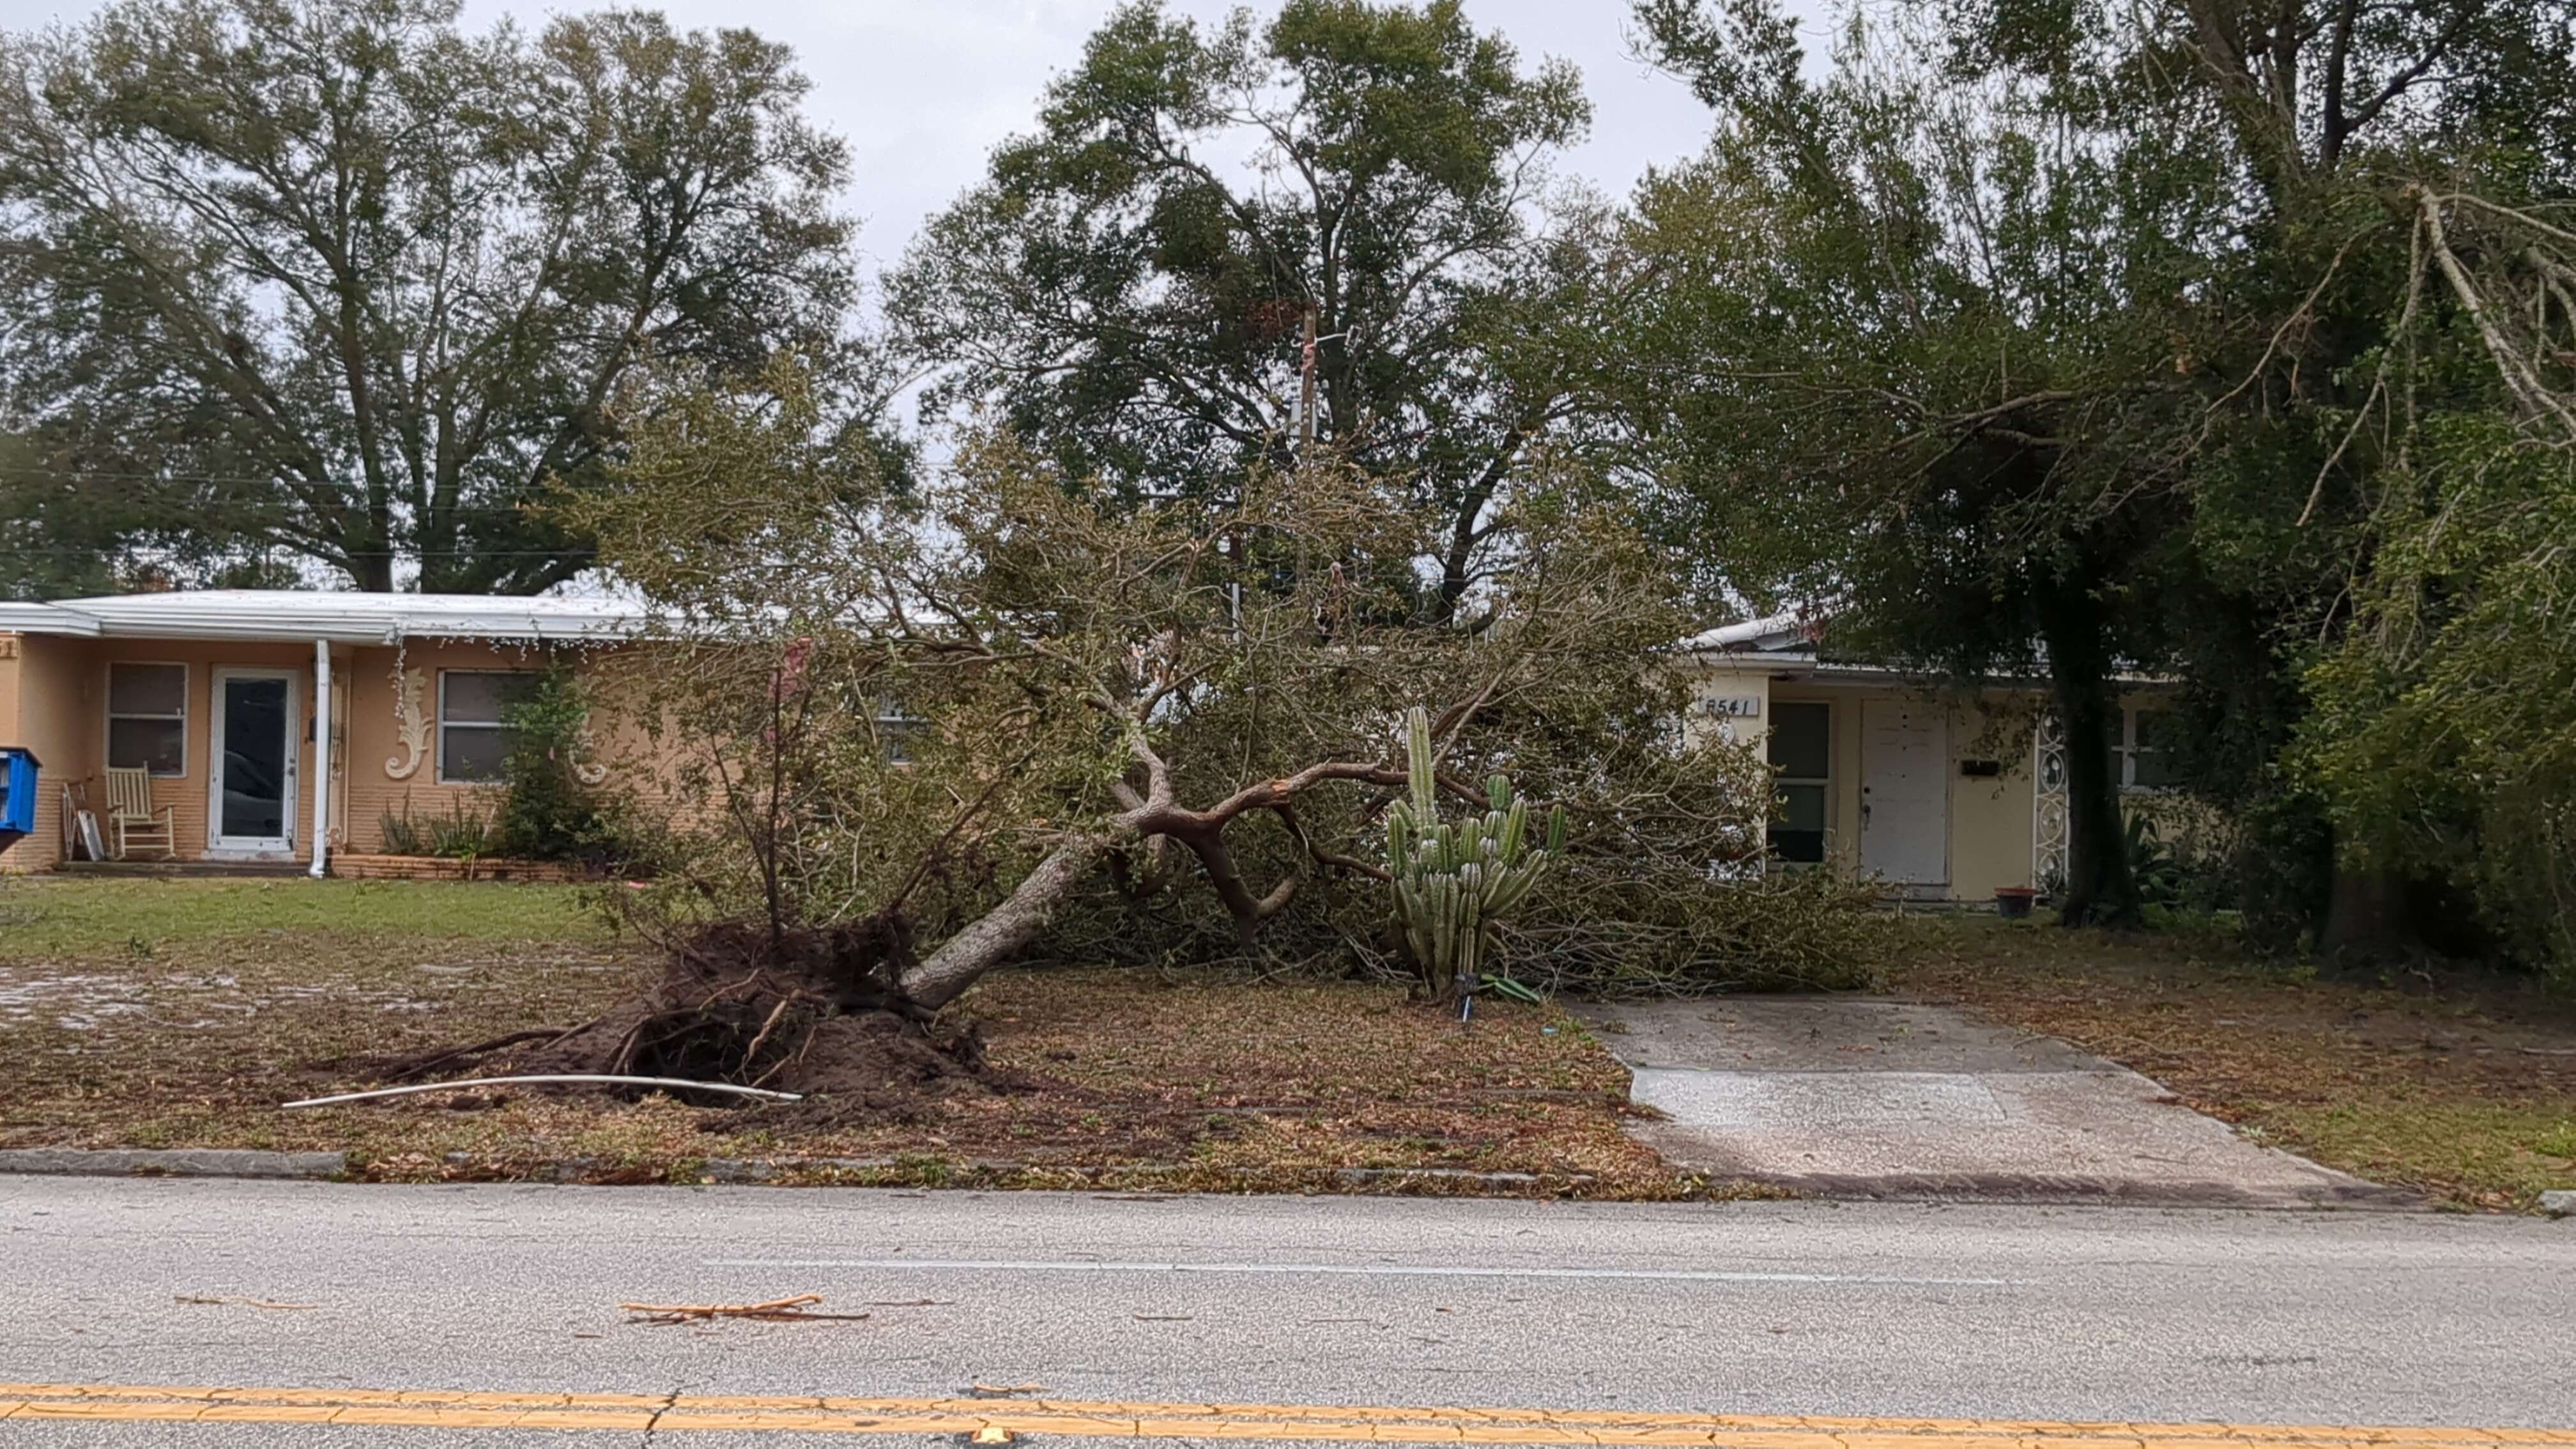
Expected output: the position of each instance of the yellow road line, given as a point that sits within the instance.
(463, 1409)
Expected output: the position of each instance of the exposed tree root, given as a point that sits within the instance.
(818, 1014)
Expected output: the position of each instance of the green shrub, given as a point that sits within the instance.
(401, 834)
(461, 834)
(546, 811)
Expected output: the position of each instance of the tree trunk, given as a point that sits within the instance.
(2366, 917)
(1002, 932)
(372, 570)
(2100, 888)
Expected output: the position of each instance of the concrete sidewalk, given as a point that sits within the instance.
(1868, 1097)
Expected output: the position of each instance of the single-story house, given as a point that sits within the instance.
(1942, 794)
(219, 695)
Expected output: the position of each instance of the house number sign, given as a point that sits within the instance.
(1733, 706)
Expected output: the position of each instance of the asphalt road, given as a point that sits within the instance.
(1768, 1308)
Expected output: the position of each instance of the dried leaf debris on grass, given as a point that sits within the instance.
(1215, 1078)
(2457, 1081)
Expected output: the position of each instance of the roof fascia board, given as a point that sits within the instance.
(29, 617)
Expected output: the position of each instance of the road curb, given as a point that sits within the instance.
(2559, 1203)
(2080, 1190)
(171, 1162)
(766, 1169)
(745, 1171)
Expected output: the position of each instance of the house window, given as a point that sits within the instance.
(147, 718)
(2142, 757)
(895, 729)
(474, 739)
(1801, 749)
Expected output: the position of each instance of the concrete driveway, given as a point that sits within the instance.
(1871, 1097)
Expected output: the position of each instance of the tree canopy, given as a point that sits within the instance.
(1130, 287)
(338, 281)
(2231, 340)
(1912, 363)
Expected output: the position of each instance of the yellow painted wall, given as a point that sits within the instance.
(1990, 818)
(53, 699)
(49, 697)
(1730, 682)
(379, 777)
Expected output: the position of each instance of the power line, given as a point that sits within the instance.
(81, 475)
(356, 553)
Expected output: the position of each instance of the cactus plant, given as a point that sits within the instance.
(1454, 882)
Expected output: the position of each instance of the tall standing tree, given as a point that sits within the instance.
(339, 279)
(2228, 336)
(1132, 287)
(2387, 495)
(1910, 358)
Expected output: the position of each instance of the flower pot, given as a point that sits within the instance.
(2013, 902)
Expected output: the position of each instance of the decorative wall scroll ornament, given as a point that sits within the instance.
(2048, 823)
(584, 768)
(411, 723)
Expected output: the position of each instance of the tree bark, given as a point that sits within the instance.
(2366, 917)
(2101, 890)
(1004, 931)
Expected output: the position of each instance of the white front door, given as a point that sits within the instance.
(1905, 791)
(256, 731)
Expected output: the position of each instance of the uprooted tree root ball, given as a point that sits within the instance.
(810, 1012)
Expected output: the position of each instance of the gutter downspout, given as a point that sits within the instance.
(321, 759)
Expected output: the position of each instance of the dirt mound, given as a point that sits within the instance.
(811, 1012)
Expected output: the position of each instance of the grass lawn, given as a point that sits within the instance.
(2464, 1085)
(159, 1013)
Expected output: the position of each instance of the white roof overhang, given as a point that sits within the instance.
(296, 615)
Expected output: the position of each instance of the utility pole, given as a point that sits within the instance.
(1306, 390)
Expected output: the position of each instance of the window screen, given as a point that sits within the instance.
(2151, 763)
(473, 740)
(1801, 748)
(147, 718)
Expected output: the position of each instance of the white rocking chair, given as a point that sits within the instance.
(131, 820)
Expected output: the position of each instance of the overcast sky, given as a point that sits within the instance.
(923, 89)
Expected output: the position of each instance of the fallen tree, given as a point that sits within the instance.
(908, 732)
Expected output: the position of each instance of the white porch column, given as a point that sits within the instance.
(321, 758)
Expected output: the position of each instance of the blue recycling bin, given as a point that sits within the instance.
(17, 794)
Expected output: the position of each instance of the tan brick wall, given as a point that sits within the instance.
(53, 699)
(424, 867)
(50, 702)
(375, 749)
(376, 782)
